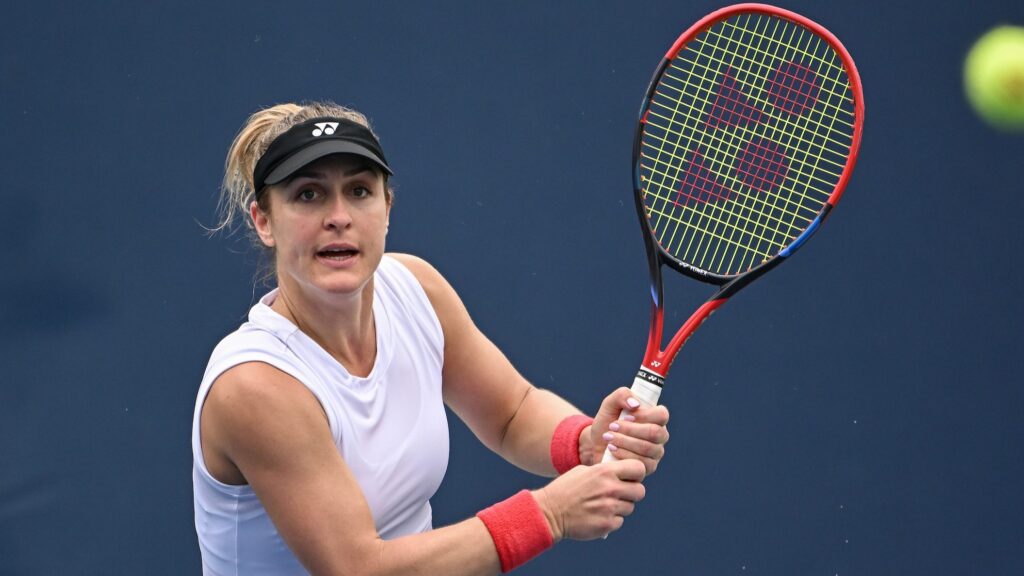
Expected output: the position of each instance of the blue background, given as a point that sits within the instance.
(857, 411)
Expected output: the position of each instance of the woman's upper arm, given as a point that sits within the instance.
(480, 384)
(275, 432)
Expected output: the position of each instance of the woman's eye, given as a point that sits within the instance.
(307, 194)
(361, 192)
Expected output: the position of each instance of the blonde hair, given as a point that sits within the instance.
(237, 192)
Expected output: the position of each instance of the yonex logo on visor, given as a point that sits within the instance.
(311, 140)
(325, 128)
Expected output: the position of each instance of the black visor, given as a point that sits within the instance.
(312, 140)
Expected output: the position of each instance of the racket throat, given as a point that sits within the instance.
(658, 362)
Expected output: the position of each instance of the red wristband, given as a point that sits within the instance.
(519, 529)
(565, 443)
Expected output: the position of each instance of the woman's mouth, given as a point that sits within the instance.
(337, 255)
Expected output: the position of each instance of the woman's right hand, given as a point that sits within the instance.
(588, 502)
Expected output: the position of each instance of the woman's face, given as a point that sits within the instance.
(327, 225)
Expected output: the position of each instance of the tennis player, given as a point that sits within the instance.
(319, 432)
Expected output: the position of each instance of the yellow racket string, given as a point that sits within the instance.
(711, 215)
(743, 137)
(703, 219)
(834, 65)
(781, 237)
(702, 100)
(760, 231)
(730, 178)
(805, 218)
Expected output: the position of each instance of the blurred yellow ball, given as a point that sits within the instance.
(994, 77)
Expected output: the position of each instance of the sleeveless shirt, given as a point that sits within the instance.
(390, 427)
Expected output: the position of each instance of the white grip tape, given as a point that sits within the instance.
(647, 393)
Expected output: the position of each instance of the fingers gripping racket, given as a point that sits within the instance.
(747, 137)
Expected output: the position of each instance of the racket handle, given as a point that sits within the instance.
(646, 392)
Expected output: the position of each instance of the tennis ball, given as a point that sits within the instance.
(994, 77)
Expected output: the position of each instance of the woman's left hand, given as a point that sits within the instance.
(639, 433)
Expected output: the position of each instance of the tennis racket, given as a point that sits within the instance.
(747, 136)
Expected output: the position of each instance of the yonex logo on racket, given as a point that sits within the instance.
(325, 128)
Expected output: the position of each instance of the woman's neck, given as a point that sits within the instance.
(343, 325)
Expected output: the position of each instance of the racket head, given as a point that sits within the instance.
(748, 134)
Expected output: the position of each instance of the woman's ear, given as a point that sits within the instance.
(261, 222)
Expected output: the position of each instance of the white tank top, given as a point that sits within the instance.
(390, 427)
